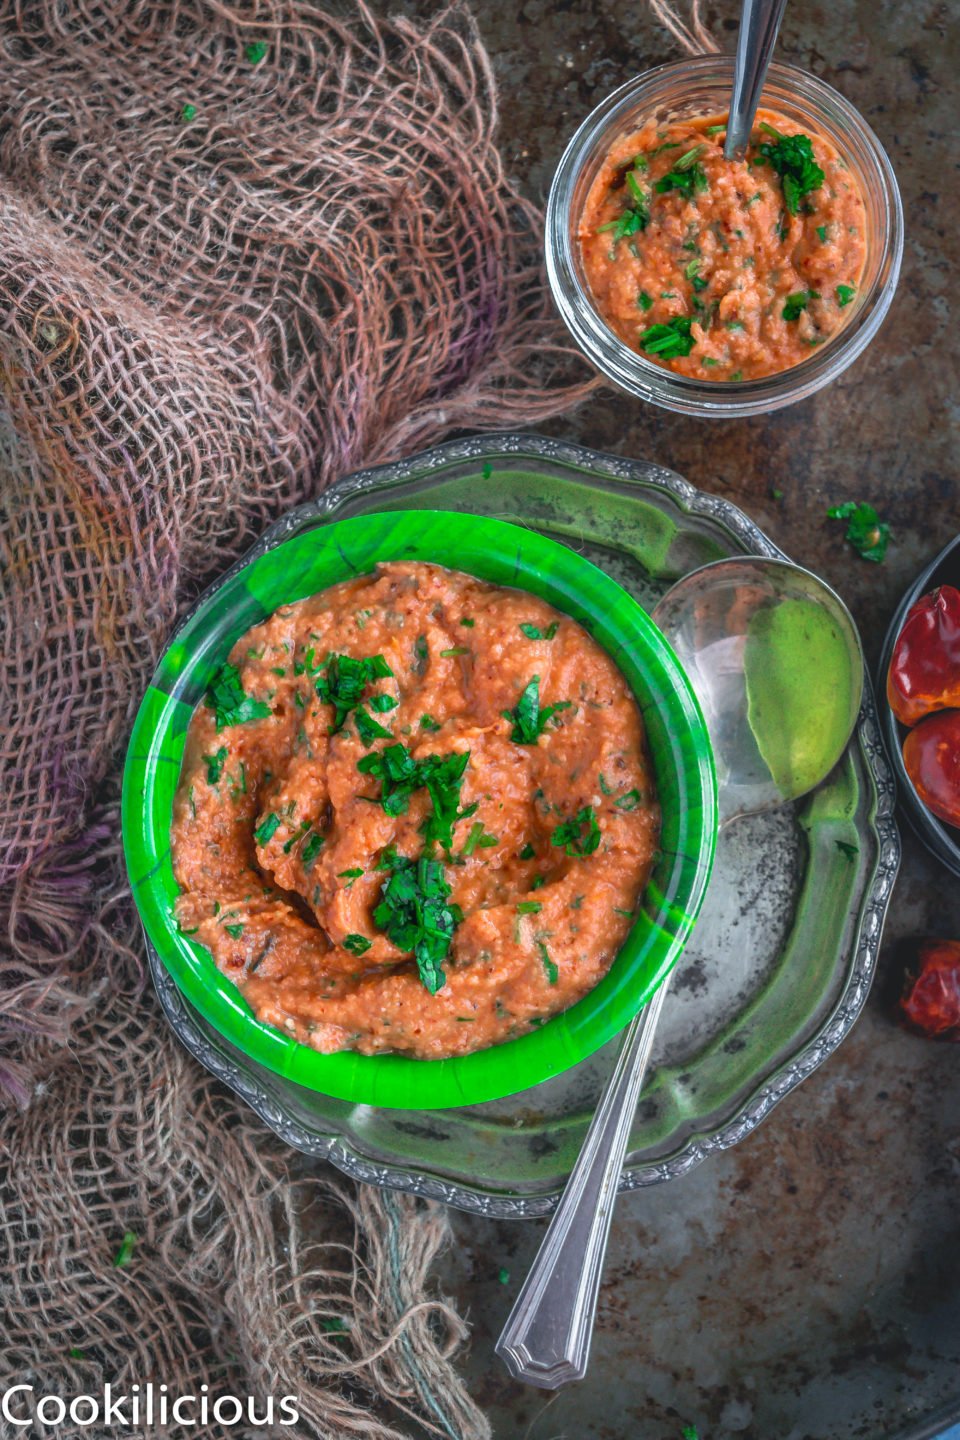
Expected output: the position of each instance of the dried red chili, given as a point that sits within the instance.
(931, 754)
(924, 672)
(930, 1003)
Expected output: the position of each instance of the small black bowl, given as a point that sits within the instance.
(941, 840)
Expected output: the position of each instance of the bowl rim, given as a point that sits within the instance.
(621, 627)
(934, 834)
(638, 376)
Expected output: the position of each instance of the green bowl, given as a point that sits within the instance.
(505, 555)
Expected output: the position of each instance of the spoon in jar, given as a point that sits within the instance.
(776, 663)
(759, 26)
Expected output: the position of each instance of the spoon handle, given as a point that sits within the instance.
(546, 1340)
(759, 25)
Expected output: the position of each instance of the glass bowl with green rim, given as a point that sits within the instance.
(503, 554)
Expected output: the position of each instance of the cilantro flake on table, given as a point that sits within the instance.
(125, 1253)
(669, 340)
(227, 699)
(866, 532)
(792, 158)
(188, 113)
(503, 1275)
(577, 841)
(256, 51)
(415, 914)
(528, 717)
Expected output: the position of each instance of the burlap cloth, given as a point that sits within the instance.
(225, 280)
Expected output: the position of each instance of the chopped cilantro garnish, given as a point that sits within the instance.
(822, 234)
(256, 51)
(350, 875)
(267, 828)
(215, 764)
(529, 907)
(226, 698)
(528, 852)
(715, 129)
(443, 777)
(356, 944)
(125, 1253)
(533, 632)
(687, 175)
(427, 722)
(382, 703)
(298, 834)
(844, 294)
(398, 774)
(636, 213)
(692, 273)
(369, 729)
(311, 850)
(734, 324)
(605, 788)
(669, 340)
(553, 974)
(465, 620)
(572, 837)
(792, 158)
(455, 650)
(528, 717)
(645, 301)
(342, 682)
(798, 302)
(234, 931)
(866, 532)
(538, 881)
(415, 914)
(628, 801)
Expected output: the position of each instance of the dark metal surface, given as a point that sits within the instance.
(806, 1285)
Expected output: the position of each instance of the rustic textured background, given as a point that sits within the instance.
(808, 1283)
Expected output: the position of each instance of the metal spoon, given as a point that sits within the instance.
(730, 624)
(759, 25)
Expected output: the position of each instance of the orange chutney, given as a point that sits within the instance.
(718, 269)
(415, 813)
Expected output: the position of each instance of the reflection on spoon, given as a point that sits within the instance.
(776, 663)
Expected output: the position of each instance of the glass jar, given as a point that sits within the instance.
(687, 89)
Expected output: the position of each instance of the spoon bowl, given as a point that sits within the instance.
(776, 663)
